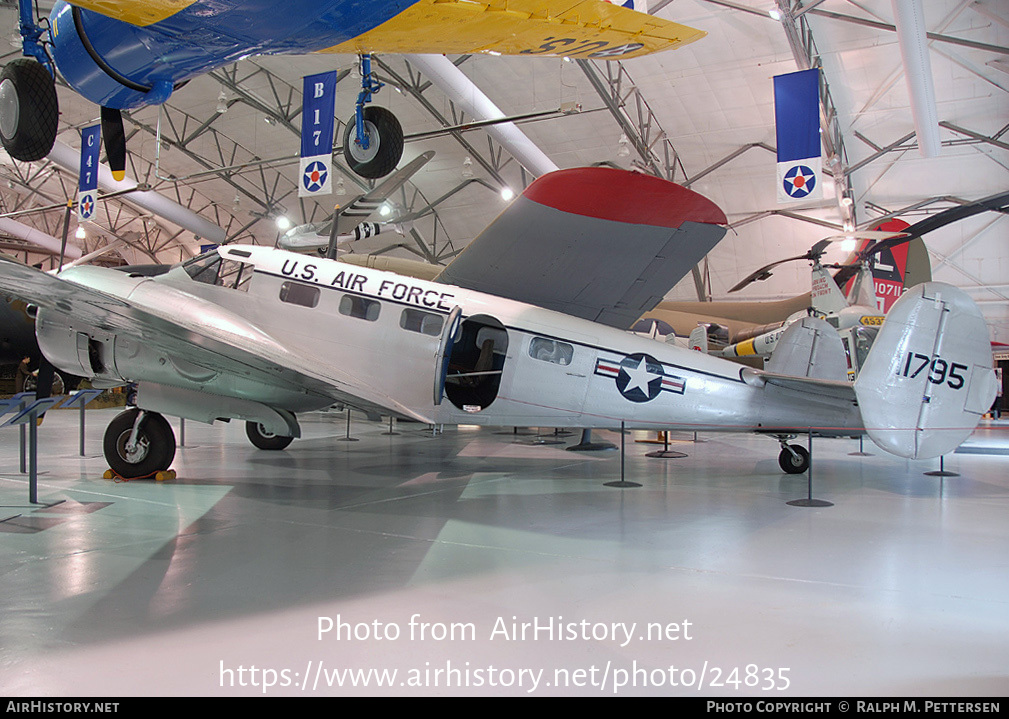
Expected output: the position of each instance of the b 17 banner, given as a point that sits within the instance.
(318, 105)
(797, 129)
(87, 188)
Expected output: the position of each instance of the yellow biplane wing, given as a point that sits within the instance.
(549, 28)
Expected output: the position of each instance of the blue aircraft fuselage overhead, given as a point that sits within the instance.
(197, 39)
(125, 54)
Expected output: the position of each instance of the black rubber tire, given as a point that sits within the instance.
(263, 439)
(155, 440)
(380, 159)
(28, 93)
(794, 465)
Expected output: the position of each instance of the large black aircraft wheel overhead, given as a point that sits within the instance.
(794, 463)
(28, 110)
(265, 439)
(153, 451)
(385, 143)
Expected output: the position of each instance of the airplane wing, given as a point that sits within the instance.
(187, 327)
(595, 242)
(570, 28)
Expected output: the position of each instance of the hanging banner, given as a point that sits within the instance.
(318, 106)
(797, 127)
(87, 189)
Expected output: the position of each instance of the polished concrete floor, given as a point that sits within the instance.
(481, 562)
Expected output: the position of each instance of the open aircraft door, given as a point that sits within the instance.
(448, 338)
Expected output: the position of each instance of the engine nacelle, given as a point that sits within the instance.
(135, 72)
(76, 348)
(111, 360)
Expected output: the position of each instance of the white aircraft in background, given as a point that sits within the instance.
(263, 334)
(856, 317)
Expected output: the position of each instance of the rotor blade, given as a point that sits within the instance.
(993, 203)
(115, 142)
(764, 272)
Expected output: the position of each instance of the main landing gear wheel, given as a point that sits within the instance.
(385, 143)
(152, 452)
(28, 110)
(264, 439)
(796, 463)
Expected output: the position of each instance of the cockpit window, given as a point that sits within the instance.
(212, 269)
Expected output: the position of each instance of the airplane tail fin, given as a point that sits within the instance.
(928, 378)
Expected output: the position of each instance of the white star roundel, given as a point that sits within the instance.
(86, 206)
(314, 177)
(799, 181)
(640, 377)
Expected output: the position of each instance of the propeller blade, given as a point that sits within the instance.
(44, 381)
(115, 142)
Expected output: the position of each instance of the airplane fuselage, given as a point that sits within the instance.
(506, 363)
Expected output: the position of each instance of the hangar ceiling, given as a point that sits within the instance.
(701, 115)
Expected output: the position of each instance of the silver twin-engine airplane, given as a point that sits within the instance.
(262, 334)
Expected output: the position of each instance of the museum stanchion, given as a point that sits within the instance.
(587, 445)
(941, 472)
(80, 400)
(860, 453)
(809, 501)
(623, 482)
(27, 419)
(665, 452)
(348, 438)
(516, 432)
(539, 439)
(391, 430)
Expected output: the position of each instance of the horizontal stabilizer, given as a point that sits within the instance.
(809, 348)
(928, 377)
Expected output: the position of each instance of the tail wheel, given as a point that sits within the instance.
(796, 463)
(28, 110)
(385, 143)
(153, 451)
(264, 439)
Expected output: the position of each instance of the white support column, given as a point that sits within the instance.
(464, 93)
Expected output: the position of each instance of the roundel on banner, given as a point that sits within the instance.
(315, 176)
(87, 206)
(799, 181)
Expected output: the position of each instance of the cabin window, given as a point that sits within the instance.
(551, 351)
(426, 323)
(296, 293)
(359, 307)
